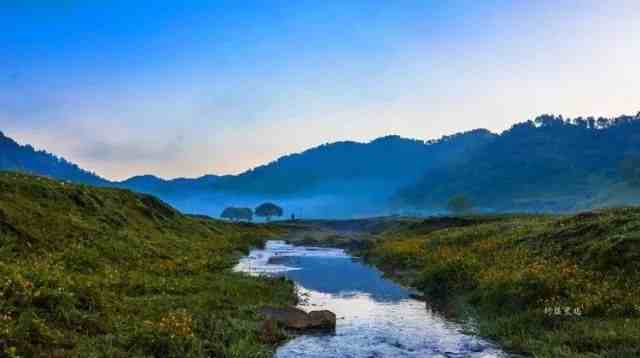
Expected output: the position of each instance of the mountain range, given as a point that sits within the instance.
(546, 164)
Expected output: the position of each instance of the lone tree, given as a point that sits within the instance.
(459, 204)
(233, 214)
(267, 210)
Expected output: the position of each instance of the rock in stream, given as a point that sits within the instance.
(299, 320)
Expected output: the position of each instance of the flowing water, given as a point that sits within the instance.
(376, 317)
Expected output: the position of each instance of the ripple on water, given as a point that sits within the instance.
(376, 317)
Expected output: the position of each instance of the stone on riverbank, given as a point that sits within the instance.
(298, 320)
(325, 320)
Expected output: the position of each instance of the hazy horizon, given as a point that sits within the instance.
(177, 90)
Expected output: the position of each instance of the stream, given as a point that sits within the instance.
(376, 317)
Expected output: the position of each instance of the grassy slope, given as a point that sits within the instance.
(105, 272)
(519, 272)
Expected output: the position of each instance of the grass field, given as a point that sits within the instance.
(546, 286)
(87, 272)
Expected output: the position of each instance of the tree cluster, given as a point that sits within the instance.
(237, 214)
(265, 210)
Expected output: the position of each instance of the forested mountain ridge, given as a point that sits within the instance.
(386, 161)
(25, 158)
(550, 164)
(155, 185)
(389, 160)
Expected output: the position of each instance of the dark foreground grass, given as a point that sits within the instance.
(540, 285)
(87, 272)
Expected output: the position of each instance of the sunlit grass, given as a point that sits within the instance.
(543, 285)
(88, 272)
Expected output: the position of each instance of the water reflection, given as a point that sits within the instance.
(376, 317)
(342, 277)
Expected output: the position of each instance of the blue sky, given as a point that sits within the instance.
(194, 87)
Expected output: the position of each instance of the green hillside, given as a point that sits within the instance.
(91, 272)
(550, 164)
(546, 286)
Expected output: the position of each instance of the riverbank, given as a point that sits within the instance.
(546, 286)
(89, 272)
(541, 285)
(375, 317)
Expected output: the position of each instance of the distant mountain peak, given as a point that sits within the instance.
(394, 138)
(144, 177)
